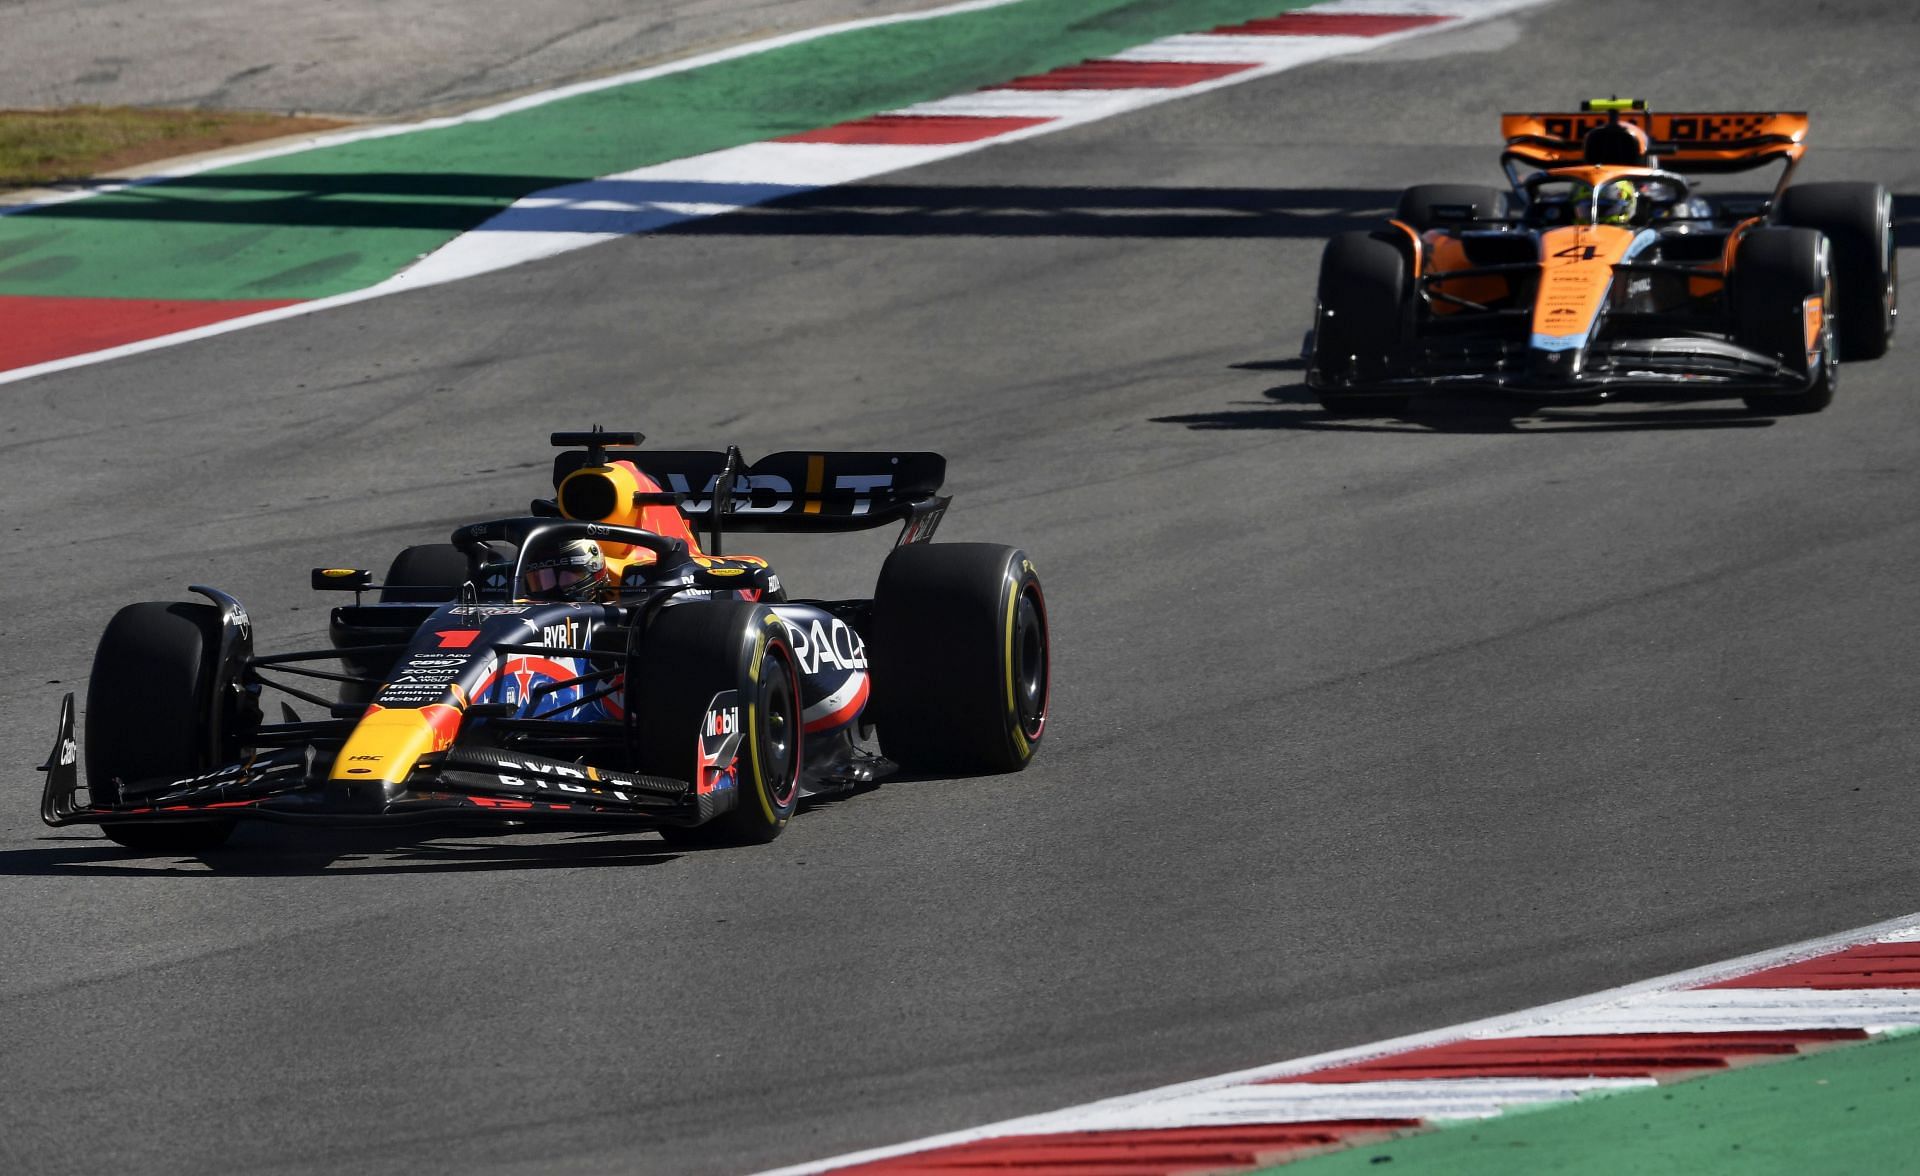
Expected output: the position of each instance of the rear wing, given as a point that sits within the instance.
(791, 491)
(1727, 141)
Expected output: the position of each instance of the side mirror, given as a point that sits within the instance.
(341, 579)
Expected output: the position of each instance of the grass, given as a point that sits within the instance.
(42, 147)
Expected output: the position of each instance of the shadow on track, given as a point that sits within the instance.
(1293, 406)
(269, 851)
(458, 201)
(904, 210)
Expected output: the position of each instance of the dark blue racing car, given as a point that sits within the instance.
(591, 664)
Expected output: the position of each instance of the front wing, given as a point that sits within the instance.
(458, 786)
(1680, 367)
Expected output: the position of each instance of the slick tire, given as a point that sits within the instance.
(1775, 272)
(1426, 206)
(690, 654)
(960, 657)
(1858, 220)
(150, 711)
(1362, 321)
(430, 573)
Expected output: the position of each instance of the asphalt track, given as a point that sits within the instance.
(1362, 727)
(369, 58)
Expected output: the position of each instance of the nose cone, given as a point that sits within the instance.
(387, 745)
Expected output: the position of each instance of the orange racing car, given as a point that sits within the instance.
(1603, 274)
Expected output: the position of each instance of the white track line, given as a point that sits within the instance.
(1305, 1102)
(1664, 1004)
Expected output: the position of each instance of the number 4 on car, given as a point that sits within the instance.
(1606, 273)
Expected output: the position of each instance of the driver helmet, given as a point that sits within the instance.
(1615, 203)
(575, 571)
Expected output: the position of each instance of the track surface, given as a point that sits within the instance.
(364, 57)
(1363, 727)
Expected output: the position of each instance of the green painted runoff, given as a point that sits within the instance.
(1842, 1110)
(336, 219)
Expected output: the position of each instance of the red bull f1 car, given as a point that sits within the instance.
(1603, 274)
(592, 664)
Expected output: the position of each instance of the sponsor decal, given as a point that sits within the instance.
(439, 675)
(227, 774)
(242, 624)
(923, 525)
(720, 734)
(567, 634)
(489, 610)
(414, 692)
(722, 720)
(435, 661)
(1690, 128)
(68, 753)
(336, 573)
(566, 779)
(457, 638)
(744, 485)
(827, 642)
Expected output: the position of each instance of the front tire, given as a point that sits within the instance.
(428, 573)
(1858, 220)
(693, 653)
(961, 658)
(1775, 272)
(1362, 321)
(150, 713)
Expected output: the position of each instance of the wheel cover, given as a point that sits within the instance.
(778, 752)
(1829, 353)
(1890, 297)
(1032, 666)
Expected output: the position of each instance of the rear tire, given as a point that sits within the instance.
(1858, 220)
(150, 713)
(1775, 272)
(1362, 322)
(693, 652)
(1418, 204)
(961, 658)
(430, 573)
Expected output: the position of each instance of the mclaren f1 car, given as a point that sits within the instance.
(591, 664)
(1602, 273)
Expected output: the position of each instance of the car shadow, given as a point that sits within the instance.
(1012, 210)
(1294, 406)
(263, 850)
(456, 201)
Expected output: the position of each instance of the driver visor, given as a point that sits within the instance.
(549, 579)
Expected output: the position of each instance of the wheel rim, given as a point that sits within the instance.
(1031, 668)
(1890, 297)
(1829, 357)
(780, 729)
